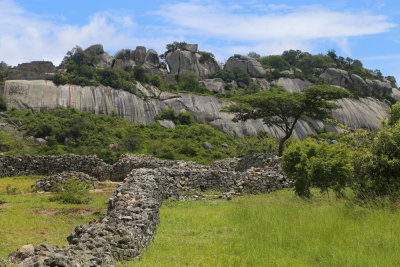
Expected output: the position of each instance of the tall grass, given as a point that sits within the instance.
(278, 229)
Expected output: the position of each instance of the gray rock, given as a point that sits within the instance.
(4, 148)
(192, 48)
(40, 141)
(380, 87)
(114, 147)
(105, 60)
(263, 83)
(207, 145)
(36, 70)
(39, 95)
(167, 124)
(179, 61)
(27, 249)
(248, 64)
(292, 85)
(358, 80)
(336, 77)
(215, 85)
(396, 94)
(140, 55)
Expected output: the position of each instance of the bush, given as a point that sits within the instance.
(60, 78)
(189, 81)
(225, 75)
(206, 56)
(72, 191)
(324, 166)
(3, 103)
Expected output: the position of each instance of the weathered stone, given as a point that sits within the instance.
(36, 70)
(27, 249)
(383, 88)
(50, 183)
(263, 83)
(140, 55)
(4, 148)
(114, 147)
(358, 80)
(167, 124)
(207, 145)
(40, 141)
(215, 85)
(192, 48)
(292, 85)
(396, 94)
(247, 64)
(336, 77)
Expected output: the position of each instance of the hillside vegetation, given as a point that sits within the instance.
(71, 131)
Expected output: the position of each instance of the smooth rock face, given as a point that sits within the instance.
(40, 95)
(292, 85)
(358, 80)
(336, 77)
(216, 85)
(31, 71)
(263, 83)
(248, 64)
(167, 124)
(378, 86)
(181, 60)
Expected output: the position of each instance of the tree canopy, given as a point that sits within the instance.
(284, 109)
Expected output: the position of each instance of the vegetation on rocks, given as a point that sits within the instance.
(71, 131)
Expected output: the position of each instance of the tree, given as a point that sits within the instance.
(253, 55)
(284, 109)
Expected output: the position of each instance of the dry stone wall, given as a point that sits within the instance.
(133, 209)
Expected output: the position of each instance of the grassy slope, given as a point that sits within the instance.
(30, 218)
(278, 229)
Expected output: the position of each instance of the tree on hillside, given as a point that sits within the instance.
(284, 109)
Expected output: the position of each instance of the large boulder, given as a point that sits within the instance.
(127, 59)
(396, 94)
(358, 80)
(263, 83)
(336, 77)
(97, 49)
(36, 70)
(186, 59)
(216, 85)
(248, 64)
(380, 87)
(292, 85)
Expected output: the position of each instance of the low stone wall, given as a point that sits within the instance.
(133, 209)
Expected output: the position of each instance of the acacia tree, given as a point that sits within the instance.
(283, 109)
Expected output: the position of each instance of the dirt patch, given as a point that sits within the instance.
(78, 211)
(47, 212)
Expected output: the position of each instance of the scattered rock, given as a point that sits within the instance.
(50, 183)
(40, 141)
(167, 124)
(4, 148)
(114, 147)
(36, 70)
(207, 145)
(292, 85)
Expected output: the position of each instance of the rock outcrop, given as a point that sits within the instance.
(216, 85)
(190, 59)
(36, 70)
(40, 95)
(247, 64)
(51, 183)
(292, 85)
(336, 77)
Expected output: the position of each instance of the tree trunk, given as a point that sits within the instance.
(281, 143)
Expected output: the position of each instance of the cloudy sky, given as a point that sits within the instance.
(368, 30)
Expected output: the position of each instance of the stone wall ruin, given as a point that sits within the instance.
(133, 209)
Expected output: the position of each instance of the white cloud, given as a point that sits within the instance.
(25, 36)
(271, 30)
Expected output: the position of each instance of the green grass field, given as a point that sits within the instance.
(30, 218)
(278, 229)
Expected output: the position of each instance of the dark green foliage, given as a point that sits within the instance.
(60, 78)
(253, 55)
(225, 75)
(183, 118)
(283, 109)
(324, 166)
(172, 47)
(3, 76)
(392, 81)
(206, 56)
(189, 81)
(275, 62)
(241, 76)
(3, 103)
(70, 131)
(139, 74)
(72, 191)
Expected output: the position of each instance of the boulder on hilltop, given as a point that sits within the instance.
(248, 64)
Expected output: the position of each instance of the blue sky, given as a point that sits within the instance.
(368, 30)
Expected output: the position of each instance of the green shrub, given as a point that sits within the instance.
(72, 191)
(3, 103)
(60, 78)
(206, 56)
(325, 166)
